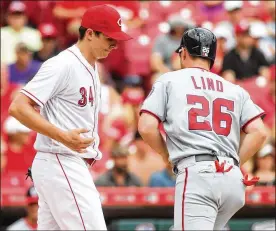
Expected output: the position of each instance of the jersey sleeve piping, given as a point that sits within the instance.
(150, 113)
(251, 120)
(30, 95)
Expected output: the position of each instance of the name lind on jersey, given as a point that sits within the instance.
(204, 83)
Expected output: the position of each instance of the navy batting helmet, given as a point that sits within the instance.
(199, 42)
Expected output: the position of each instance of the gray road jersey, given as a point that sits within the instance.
(201, 112)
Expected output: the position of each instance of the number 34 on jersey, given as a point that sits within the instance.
(85, 98)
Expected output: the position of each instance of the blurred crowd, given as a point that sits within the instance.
(34, 31)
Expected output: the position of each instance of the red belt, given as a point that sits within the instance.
(90, 162)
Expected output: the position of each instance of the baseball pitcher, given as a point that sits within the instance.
(67, 90)
(203, 116)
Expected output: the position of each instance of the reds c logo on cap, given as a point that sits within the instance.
(119, 22)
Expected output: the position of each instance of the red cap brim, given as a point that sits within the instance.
(122, 36)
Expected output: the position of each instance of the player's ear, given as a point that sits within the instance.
(183, 54)
(90, 34)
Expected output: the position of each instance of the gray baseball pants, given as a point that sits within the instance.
(204, 198)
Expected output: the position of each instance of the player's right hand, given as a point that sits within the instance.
(251, 182)
(73, 140)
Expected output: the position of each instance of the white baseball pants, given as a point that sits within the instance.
(68, 198)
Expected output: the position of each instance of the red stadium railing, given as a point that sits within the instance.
(264, 196)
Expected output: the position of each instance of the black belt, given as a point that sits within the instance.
(207, 157)
(204, 157)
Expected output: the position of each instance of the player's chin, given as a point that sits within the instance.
(104, 54)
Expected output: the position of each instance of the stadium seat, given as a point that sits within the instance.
(255, 9)
(137, 51)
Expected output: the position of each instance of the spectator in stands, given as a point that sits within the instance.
(20, 152)
(8, 92)
(110, 110)
(16, 32)
(165, 45)
(259, 32)
(245, 60)
(270, 40)
(70, 10)
(222, 35)
(49, 48)
(29, 222)
(144, 162)
(234, 12)
(129, 10)
(123, 118)
(265, 165)
(267, 101)
(123, 128)
(68, 14)
(119, 113)
(210, 11)
(24, 68)
(133, 95)
(119, 175)
(3, 154)
(40, 12)
(164, 178)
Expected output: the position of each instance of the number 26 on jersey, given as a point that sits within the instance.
(221, 121)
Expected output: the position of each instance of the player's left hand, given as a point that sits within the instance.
(251, 182)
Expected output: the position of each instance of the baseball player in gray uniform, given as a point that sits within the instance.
(67, 91)
(203, 116)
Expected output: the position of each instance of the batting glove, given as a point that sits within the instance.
(251, 182)
(220, 167)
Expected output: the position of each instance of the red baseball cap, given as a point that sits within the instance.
(242, 27)
(48, 30)
(17, 6)
(105, 19)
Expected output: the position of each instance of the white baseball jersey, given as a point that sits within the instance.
(67, 89)
(202, 113)
(21, 224)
